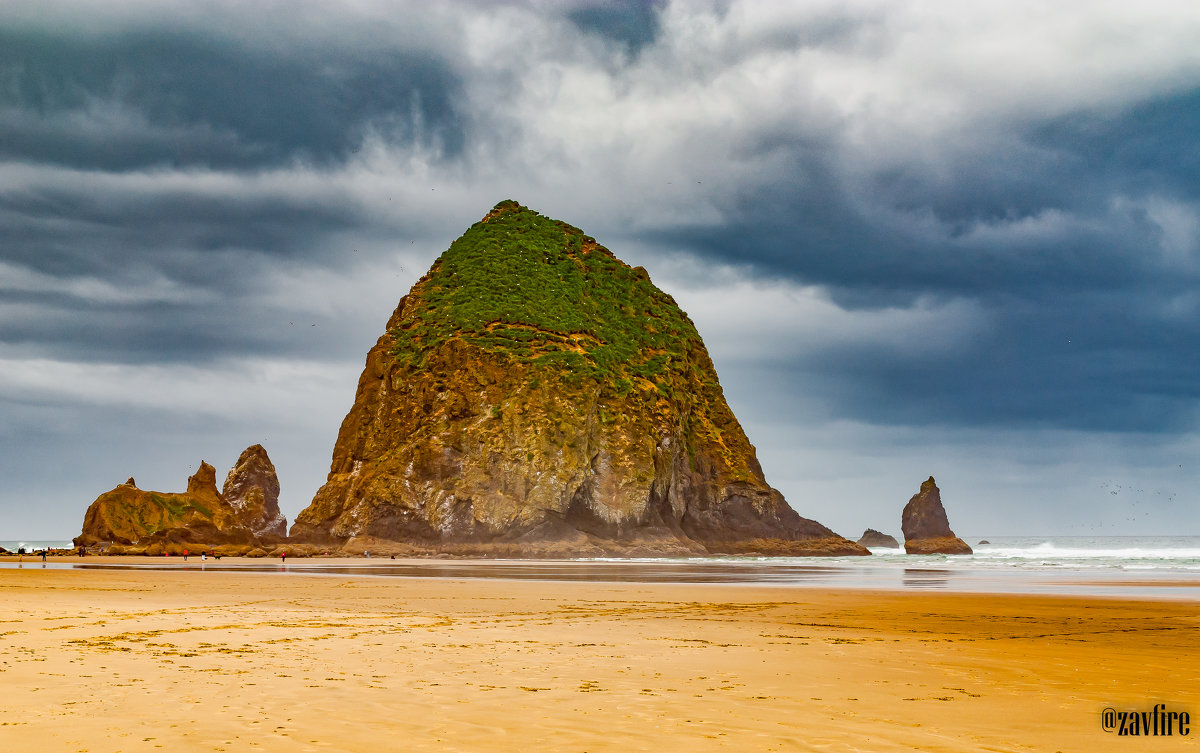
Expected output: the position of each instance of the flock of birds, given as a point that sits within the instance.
(1115, 489)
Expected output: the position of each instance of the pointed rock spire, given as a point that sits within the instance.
(252, 490)
(925, 525)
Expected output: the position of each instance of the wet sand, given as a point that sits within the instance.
(158, 660)
(838, 573)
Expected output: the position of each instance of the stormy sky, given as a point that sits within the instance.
(919, 238)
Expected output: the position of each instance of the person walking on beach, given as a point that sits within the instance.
(203, 556)
(185, 553)
(283, 556)
(43, 555)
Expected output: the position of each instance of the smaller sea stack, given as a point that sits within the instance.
(871, 537)
(252, 490)
(245, 514)
(926, 528)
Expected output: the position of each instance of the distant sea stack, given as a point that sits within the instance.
(534, 395)
(245, 514)
(874, 538)
(926, 528)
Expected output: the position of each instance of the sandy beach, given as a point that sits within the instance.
(196, 661)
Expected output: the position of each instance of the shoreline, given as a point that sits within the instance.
(931, 576)
(148, 660)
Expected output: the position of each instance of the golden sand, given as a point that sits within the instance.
(213, 661)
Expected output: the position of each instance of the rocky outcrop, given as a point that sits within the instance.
(533, 395)
(926, 528)
(202, 515)
(873, 538)
(252, 490)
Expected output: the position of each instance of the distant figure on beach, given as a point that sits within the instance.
(185, 554)
(43, 555)
(283, 556)
(203, 556)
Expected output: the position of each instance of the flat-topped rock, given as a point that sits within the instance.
(873, 538)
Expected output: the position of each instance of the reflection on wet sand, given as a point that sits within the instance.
(633, 571)
(782, 572)
(915, 577)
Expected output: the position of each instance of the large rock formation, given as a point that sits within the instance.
(252, 490)
(871, 537)
(926, 528)
(534, 395)
(247, 513)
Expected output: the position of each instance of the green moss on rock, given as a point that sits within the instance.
(534, 387)
(539, 291)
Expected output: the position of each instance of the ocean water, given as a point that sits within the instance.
(31, 545)
(1179, 554)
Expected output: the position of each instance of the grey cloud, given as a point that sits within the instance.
(1052, 231)
(184, 190)
(153, 97)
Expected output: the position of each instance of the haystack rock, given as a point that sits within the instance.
(201, 515)
(871, 537)
(533, 395)
(926, 528)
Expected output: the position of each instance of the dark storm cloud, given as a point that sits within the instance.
(180, 98)
(633, 24)
(1092, 317)
(1151, 147)
(180, 232)
(118, 274)
(160, 332)
(915, 232)
(136, 161)
(1053, 366)
(878, 258)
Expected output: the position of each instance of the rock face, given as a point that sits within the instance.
(926, 528)
(201, 515)
(871, 537)
(252, 490)
(534, 395)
